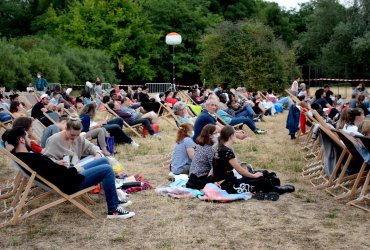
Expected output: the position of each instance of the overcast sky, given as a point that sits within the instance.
(288, 4)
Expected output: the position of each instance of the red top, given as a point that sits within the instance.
(171, 100)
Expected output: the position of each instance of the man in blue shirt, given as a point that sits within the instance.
(207, 117)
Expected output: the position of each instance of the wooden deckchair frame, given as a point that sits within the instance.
(322, 180)
(294, 98)
(363, 200)
(349, 184)
(166, 114)
(38, 129)
(133, 128)
(22, 197)
(50, 118)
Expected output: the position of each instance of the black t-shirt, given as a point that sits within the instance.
(66, 179)
(364, 108)
(322, 102)
(143, 97)
(36, 110)
(221, 166)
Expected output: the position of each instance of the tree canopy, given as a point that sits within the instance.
(76, 40)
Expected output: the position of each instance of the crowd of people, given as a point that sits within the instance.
(208, 123)
(337, 113)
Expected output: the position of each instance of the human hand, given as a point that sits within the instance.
(62, 163)
(258, 174)
(79, 169)
(97, 155)
(240, 134)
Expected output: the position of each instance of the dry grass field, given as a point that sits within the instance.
(306, 219)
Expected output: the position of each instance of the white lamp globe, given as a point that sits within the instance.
(173, 38)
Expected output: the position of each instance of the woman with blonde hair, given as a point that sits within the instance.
(184, 150)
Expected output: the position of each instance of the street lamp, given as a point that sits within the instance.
(173, 39)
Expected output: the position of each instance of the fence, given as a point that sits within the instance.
(158, 87)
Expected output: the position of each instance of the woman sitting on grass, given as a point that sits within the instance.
(224, 162)
(201, 165)
(184, 150)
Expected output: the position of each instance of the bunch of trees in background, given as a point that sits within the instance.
(237, 42)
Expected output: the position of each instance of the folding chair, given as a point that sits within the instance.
(133, 128)
(364, 198)
(38, 129)
(348, 183)
(327, 176)
(294, 98)
(53, 117)
(22, 196)
(167, 113)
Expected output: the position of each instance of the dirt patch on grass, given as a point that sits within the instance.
(306, 219)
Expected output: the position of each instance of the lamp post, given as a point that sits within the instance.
(173, 39)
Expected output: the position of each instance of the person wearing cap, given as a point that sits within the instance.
(69, 179)
(39, 108)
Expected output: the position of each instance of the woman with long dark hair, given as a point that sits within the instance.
(224, 162)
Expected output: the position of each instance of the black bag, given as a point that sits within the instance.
(196, 182)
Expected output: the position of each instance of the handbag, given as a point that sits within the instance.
(110, 144)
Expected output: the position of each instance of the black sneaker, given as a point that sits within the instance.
(124, 203)
(271, 196)
(120, 213)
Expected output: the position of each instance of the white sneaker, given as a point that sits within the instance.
(157, 136)
(120, 213)
(124, 203)
(134, 144)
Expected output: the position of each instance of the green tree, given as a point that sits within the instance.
(248, 54)
(321, 23)
(190, 19)
(115, 26)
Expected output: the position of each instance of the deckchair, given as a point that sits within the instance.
(348, 183)
(294, 98)
(133, 128)
(325, 178)
(38, 129)
(363, 200)
(22, 197)
(187, 98)
(167, 114)
(30, 97)
(53, 117)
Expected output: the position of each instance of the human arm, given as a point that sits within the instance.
(242, 171)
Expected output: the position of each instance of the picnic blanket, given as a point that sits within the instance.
(211, 192)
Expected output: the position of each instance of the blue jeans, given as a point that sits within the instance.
(95, 173)
(114, 127)
(4, 117)
(146, 124)
(285, 101)
(245, 121)
(247, 112)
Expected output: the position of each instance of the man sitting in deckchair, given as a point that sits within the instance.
(68, 180)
